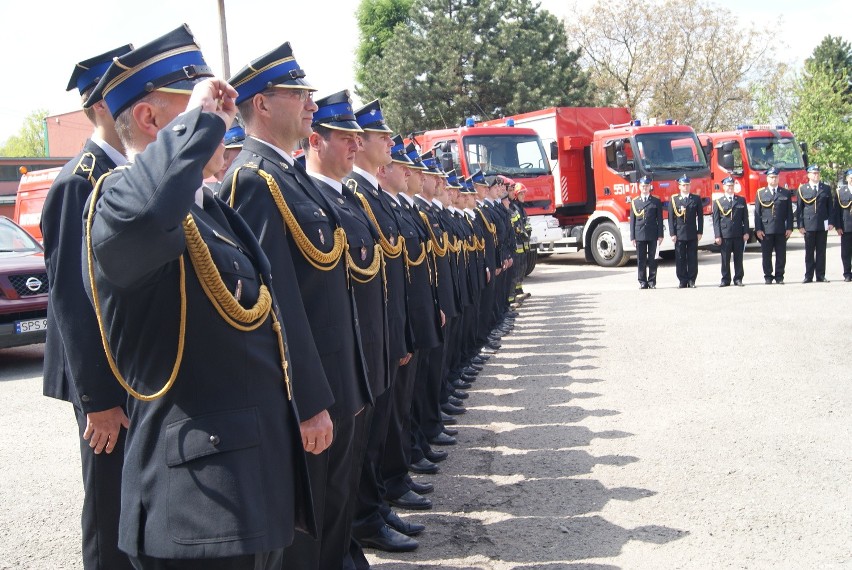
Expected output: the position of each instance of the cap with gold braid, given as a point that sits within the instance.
(277, 68)
(335, 112)
(370, 118)
(87, 73)
(172, 63)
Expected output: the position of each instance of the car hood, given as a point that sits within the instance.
(21, 262)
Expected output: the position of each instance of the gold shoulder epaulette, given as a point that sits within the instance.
(86, 166)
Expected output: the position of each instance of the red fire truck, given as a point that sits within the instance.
(746, 152)
(579, 197)
(29, 202)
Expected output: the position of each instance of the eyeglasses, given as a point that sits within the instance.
(302, 95)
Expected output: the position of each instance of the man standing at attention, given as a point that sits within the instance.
(730, 227)
(773, 224)
(814, 218)
(686, 225)
(646, 232)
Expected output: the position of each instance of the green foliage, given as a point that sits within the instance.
(30, 139)
(834, 54)
(457, 58)
(823, 119)
(377, 22)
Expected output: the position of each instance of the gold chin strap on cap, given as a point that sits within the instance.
(214, 288)
(314, 256)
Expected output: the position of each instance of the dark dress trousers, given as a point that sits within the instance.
(75, 366)
(330, 307)
(773, 215)
(730, 224)
(814, 214)
(843, 220)
(686, 221)
(646, 227)
(214, 467)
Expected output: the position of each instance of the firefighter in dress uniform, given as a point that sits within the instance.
(843, 224)
(731, 229)
(814, 217)
(646, 232)
(773, 224)
(686, 225)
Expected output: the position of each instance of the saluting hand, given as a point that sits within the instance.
(215, 95)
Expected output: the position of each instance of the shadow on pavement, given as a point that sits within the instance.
(516, 491)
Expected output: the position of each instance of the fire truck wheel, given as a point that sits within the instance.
(606, 246)
(532, 258)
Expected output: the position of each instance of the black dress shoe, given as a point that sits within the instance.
(847, 279)
(768, 281)
(643, 285)
(442, 439)
(822, 280)
(652, 284)
(389, 540)
(423, 467)
(691, 284)
(435, 456)
(455, 402)
(474, 367)
(681, 285)
(450, 431)
(452, 410)
(460, 384)
(483, 356)
(723, 284)
(413, 501)
(459, 395)
(447, 419)
(738, 283)
(779, 281)
(465, 377)
(401, 525)
(420, 489)
(478, 359)
(806, 280)
(491, 347)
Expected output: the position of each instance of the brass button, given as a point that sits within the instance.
(214, 439)
(179, 129)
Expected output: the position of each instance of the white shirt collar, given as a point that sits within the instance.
(407, 198)
(284, 154)
(199, 195)
(469, 212)
(438, 203)
(394, 197)
(118, 158)
(336, 184)
(370, 178)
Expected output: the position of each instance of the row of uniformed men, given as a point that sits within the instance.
(819, 210)
(292, 349)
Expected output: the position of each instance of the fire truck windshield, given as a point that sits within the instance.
(670, 151)
(512, 155)
(781, 153)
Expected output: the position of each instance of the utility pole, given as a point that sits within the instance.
(223, 35)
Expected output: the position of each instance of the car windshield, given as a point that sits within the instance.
(14, 239)
(778, 152)
(670, 151)
(513, 155)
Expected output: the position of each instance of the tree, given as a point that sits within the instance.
(377, 22)
(823, 119)
(457, 58)
(834, 55)
(686, 60)
(30, 139)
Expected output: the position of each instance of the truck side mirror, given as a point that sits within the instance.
(708, 150)
(554, 151)
(447, 162)
(620, 161)
(726, 161)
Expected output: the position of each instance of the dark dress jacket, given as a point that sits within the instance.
(423, 303)
(773, 214)
(730, 220)
(477, 259)
(691, 223)
(647, 224)
(814, 207)
(400, 336)
(75, 365)
(369, 291)
(325, 296)
(842, 210)
(487, 223)
(447, 296)
(448, 222)
(213, 467)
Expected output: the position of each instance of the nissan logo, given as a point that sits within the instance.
(33, 283)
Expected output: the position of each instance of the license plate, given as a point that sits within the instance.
(31, 325)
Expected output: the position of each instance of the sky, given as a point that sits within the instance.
(41, 46)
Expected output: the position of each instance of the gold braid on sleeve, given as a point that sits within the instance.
(316, 257)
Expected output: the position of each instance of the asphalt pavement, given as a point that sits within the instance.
(616, 428)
